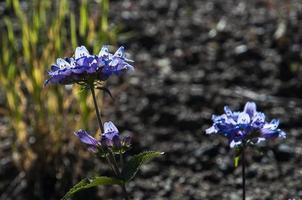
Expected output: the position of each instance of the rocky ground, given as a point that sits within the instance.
(192, 58)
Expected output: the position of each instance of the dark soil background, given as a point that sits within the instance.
(192, 58)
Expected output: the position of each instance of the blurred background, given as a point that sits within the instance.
(191, 58)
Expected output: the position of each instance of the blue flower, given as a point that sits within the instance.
(248, 126)
(83, 67)
(110, 139)
(88, 139)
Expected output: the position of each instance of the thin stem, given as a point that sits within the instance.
(121, 160)
(98, 114)
(111, 159)
(111, 166)
(125, 192)
(243, 171)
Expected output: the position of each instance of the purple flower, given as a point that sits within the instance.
(84, 67)
(110, 139)
(248, 126)
(87, 139)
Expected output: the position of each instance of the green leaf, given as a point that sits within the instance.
(91, 182)
(132, 166)
(237, 156)
(236, 161)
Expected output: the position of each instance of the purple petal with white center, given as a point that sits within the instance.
(110, 127)
(120, 53)
(272, 125)
(211, 130)
(228, 111)
(243, 118)
(110, 130)
(250, 109)
(63, 64)
(104, 53)
(81, 52)
(258, 120)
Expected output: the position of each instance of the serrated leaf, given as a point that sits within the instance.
(132, 166)
(91, 182)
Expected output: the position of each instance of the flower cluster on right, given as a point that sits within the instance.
(248, 126)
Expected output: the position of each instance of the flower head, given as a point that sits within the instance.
(248, 126)
(110, 140)
(83, 67)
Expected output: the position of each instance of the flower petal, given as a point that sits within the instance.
(243, 118)
(211, 130)
(228, 111)
(120, 53)
(272, 133)
(81, 52)
(62, 63)
(258, 120)
(250, 109)
(272, 125)
(86, 138)
(104, 53)
(110, 127)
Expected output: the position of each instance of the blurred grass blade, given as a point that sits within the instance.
(73, 31)
(83, 18)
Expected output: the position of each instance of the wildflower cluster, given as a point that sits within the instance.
(92, 71)
(85, 68)
(248, 126)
